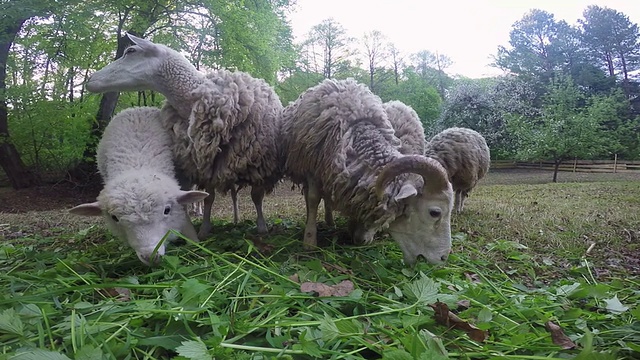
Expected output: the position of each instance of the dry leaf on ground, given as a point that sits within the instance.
(343, 288)
(558, 337)
(119, 293)
(445, 317)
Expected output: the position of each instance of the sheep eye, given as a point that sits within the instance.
(115, 218)
(130, 50)
(167, 210)
(435, 213)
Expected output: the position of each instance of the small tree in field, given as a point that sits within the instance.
(566, 128)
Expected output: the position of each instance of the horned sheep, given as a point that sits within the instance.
(407, 128)
(466, 157)
(224, 124)
(141, 199)
(339, 144)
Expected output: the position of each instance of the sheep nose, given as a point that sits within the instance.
(444, 257)
(147, 259)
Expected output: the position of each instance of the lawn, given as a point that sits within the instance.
(539, 271)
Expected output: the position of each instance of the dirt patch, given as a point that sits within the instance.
(43, 198)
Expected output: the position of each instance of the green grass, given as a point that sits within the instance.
(520, 260)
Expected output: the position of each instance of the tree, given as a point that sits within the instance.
(567, 128)
(14, 13)
(431, 67)
(375, 53)
(327, 47)
(397, 61)
(532, 53)
(612, 40)
(417, 93)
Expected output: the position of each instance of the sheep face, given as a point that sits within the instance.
(423, 228)
(136, 70)
(422, 206)
(141, 209)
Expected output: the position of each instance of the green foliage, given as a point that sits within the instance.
(568, 127)
(417, 93)
(50, 135)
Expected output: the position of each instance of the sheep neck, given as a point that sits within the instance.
(177, 81)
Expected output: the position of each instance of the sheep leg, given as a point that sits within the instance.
(312, 197)
(328, 211)
(205, 228)
(257, 195)
(234, 200)
(458, 201)
(463, 197)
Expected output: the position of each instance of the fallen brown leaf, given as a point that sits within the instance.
(463, 304)
(295, 278)
(558, 337)
(120, 294)
(445, 317)
(343, 288)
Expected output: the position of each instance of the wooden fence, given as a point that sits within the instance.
(594, 166)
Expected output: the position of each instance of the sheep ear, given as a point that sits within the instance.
(139, 41)
(188, 197)
(406, 191)
(88, 209)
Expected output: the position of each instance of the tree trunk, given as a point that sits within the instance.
(555, 170)
(18, 174)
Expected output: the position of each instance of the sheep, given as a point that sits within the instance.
(224, 124)
(407, 127)
(141, 199)
(339, 145)
(465, 155)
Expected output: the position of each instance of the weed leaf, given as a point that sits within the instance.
(423, 290)
(89, 352)
(11, 323)
(194, 350)
(558, 337)
(615, 306)
(169, 342)
(396, 355)
(37, 354)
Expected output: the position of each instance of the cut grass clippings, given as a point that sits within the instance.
(510, 293)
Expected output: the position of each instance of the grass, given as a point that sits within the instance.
(524, 260)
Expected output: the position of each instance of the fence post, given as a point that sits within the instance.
(575, 164)
(615, 163)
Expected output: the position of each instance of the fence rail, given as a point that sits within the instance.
(595, 166)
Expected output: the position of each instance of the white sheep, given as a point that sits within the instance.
(340, 145)
(407, 127)
(141, 199)
(225, 125)
(465, 155)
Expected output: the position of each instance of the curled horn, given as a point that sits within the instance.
(434, 175)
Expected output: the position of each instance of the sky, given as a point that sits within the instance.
(467, 31)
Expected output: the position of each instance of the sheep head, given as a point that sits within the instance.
(136, 70)
(423, 226)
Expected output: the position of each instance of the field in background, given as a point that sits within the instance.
(532, 260)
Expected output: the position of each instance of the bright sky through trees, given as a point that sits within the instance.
(468, 31)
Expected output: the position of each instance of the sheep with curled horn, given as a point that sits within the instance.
(339, 144)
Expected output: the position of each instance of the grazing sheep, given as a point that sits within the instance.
(407, 127)
(465, 155)
(340, 145)
(225, 125)
(141, 199)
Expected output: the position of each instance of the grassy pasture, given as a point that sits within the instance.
(539, 271)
